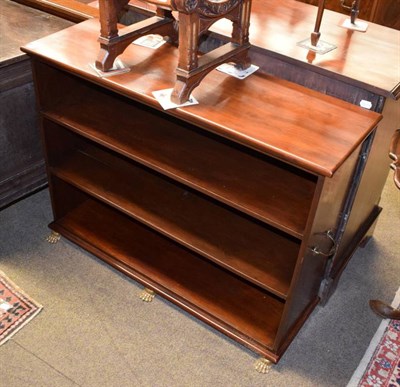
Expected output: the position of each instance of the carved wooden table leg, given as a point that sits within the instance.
(316, 34)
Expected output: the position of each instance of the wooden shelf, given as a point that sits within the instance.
(225, 301)
(242, 179)
(239, 244)
(226, 208)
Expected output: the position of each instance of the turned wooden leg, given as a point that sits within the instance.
(54, 237)
(147, 295)
(316, 34)
(263, 365)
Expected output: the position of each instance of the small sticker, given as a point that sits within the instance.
(366, 104)
(152, 41)
(118, 68)
(231, 69)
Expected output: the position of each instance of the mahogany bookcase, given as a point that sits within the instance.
(229, 208)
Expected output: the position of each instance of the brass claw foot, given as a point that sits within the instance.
(54, 237)
(263, 365)
(147, 295)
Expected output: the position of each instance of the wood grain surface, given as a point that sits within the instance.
(305, 128)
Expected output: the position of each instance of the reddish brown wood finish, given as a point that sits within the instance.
(175, 199)
(336, 5)
(387, 13)
(193, 21)
(324, 216)
(277, 28)
(245, 313)
(384, 12)
(343, 74)
(237, 177)
(335, 128)
(235, 242)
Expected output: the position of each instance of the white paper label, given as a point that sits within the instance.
(151, 41)
(366, 104)
(230, 69)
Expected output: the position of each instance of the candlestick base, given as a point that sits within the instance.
(321, 47)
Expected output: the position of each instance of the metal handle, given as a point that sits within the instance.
(332, 250)
(345, 6)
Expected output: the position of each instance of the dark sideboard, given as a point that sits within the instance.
(22, 168)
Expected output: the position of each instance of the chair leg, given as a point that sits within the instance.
(189, 25)
(240, 33)
(109, 10)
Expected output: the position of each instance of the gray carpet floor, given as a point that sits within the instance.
(95, 331)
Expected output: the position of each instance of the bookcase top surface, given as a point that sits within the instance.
(300, 126)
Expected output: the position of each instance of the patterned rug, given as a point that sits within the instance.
(380, 366)
(16, 308)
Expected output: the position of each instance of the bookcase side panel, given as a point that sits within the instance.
(316, 250)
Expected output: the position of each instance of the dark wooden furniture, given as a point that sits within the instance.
(384, 12)
(22, 169)
(194, 18)
(231, 213)
(363, 69)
